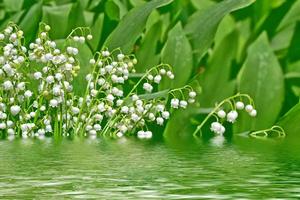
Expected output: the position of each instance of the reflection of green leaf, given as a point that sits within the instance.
(131, 26)
(261, 77)
(202, 26)
(215, 82)
(290, 121)
(177, 52)
(30, 22)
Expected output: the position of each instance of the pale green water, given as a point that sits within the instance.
(131, 169)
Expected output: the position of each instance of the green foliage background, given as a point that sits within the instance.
(227, 46)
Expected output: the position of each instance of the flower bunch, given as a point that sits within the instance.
(235, 103)
(37, 95)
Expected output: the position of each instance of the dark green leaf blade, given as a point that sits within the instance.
(203, 25)
(177, 52)
(132, 25)
(261, 77)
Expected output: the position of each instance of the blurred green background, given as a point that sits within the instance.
(227, 46)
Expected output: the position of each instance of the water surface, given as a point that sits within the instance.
(87, 168)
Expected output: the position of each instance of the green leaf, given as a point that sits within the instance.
(76, 17)
(285, 30)
(14, 18)
(146, 54)
(96, 30)
(13, 5)
(132, 25)
(215, 81)
(115, 9)
(261, 77)
(94, 4)
(30, 22)
(179, 127)
(57, 18)
(177, 52)
(202, 4)
(290, 122)
(202, 26)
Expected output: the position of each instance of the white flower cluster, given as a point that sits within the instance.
(231, 116)
(113, 103)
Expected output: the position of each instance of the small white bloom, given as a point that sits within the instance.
(249, 108)
(192, 94)
(183, 104)
(110, 98)
(92, 61)
(166, 114)
(221, 114)
(141, 134)
(97, 127)
(160, 121)
(218, 128)
(89, 37)
(148, 134)
(119, 134)
(148, 87)
(253, 113)
(162, 71)
(240, 105)
(120, 56)
(8, 85)
(53, 103)
(232, 116)
(174, 103)
(37, 75)
(15, 110)
(28, 94)
(157, 79)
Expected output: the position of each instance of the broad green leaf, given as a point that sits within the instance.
(227, 25)
(146, 54)
(14, 18)
(290, 122)
(112, 10)
(286, 28)
(180, 126)
(202, 26)
(261, 77)
(76, 17)
(202, 4)
(215, 81)
(177, 52)
(94, 4)
(89, 18)
(96, 32)
(132, 25)
(57, 18)
(136, 2)
(30, 22)
(13, 5)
